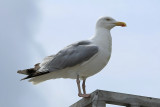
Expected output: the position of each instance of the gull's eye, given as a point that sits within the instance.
(108, 19)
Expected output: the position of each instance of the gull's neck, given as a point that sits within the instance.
(102, 38)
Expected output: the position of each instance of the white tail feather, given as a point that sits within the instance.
(42, 78)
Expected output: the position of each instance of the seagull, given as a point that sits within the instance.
(79, 60)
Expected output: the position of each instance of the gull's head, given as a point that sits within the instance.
(108, 23)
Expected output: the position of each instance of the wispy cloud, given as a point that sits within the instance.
(17, 21)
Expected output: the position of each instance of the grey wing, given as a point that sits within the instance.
(71, 56)
(46, 60)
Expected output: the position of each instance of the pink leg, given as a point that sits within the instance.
(79, 89)
(84, 88)
(78, 85)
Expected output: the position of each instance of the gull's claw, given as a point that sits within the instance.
(84, 95)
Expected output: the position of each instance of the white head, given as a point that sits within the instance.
(108, 23)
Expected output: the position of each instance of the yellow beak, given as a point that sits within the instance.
(120, 24)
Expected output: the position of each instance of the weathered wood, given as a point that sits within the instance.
(99, 98)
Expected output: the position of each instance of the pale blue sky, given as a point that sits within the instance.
(30, 30)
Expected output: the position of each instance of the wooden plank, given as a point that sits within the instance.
(100, 96)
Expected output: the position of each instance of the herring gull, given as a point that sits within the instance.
(79, 60)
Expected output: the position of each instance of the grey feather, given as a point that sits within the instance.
(70, 56)
(46, 60)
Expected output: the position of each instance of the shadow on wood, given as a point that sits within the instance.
(99, 98)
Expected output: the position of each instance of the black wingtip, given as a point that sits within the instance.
(34, 75)
(19, 71)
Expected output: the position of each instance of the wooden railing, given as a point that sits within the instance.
(100, 98)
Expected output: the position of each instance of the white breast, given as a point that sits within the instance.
(103, 40)
(94, 65)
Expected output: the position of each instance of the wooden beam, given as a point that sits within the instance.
(99, 98)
